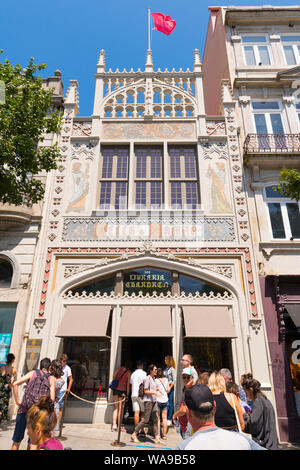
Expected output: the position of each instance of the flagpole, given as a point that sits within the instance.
(149, 40)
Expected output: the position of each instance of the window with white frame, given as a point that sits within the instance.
(291, 49)
(256, 50)
(148, 177)
(114, 178)
(284, 215)
(297, 106)
(269, 125)
(267, 117)
(183, 178)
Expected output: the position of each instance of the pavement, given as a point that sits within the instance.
(100, 437)
(94, 437)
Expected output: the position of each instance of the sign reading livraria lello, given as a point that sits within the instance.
(184, 227)
(147, 280)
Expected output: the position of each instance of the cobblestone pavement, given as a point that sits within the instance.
(100, 437)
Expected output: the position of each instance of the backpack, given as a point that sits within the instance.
(36, 388)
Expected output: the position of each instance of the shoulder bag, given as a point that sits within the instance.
(237, 418)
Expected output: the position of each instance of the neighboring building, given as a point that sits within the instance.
(20, 228)
(257, 50)
(146, 247)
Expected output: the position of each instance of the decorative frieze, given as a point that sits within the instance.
(149, 130)
(160, 227)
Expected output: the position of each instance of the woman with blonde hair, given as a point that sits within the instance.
(228, 407)
(41, 420)
(169, 373)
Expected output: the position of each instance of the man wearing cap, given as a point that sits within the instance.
(200, 406)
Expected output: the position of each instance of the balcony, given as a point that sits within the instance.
(12, 216)
(276, 150)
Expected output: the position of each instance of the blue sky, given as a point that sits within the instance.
(68, 35)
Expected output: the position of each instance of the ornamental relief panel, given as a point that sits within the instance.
(163, 228)
(150, 130)
(216, 171)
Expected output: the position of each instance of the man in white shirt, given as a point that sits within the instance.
(201, 409)
(137, 377)
(68, 380)
(187, 361)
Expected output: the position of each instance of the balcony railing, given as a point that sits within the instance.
(271, 143)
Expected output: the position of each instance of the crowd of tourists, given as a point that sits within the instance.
(214, 412)
(40, 410)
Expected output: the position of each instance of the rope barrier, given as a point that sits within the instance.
(94, 403)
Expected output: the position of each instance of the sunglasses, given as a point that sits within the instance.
(186, 376)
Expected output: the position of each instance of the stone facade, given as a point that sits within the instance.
(259, 44)
(200, 232)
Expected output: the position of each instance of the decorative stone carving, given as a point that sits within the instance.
(161, 227)
(82, 128)
(215, 128)
(224, 270)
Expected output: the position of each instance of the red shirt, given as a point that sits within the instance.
(122, 378)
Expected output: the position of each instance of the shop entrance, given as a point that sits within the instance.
(148, 350)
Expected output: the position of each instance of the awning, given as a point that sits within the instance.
(84, 320)
(208, 322)
(146, 321)
(294, 313)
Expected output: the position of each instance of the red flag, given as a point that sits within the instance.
(163, 23)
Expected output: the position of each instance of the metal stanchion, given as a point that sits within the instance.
(118, 443)
(62, 418)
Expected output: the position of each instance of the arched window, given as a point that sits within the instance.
(284, 214)
(6, 273)
(191, 285)
(103, 285)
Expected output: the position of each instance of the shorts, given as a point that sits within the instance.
(20, 427)
(61, 402)
(137, 404)
(162, 406)
(119, 393)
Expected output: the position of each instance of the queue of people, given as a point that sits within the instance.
(214, 412)
(215, 403)
(40, 410)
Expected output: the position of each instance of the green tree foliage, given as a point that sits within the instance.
(289, 183)
(24, 117)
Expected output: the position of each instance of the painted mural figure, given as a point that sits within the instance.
(219, 199)
(80, 188)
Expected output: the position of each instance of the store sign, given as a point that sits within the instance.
(163, 228)
(33, 349)
(147, 280)
(5, 340)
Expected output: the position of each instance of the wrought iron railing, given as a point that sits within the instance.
(272, 143)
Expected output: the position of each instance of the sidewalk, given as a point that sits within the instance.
(100, 437)
(93, 437)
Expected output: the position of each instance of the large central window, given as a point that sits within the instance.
(149, 178)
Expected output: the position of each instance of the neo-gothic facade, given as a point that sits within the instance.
(145, 247)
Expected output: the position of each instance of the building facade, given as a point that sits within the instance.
(145, 248)
(258, 52)
(20, 228)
